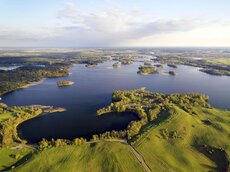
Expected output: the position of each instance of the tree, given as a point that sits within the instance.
(152, 114)
(44, 144)
(95, 137)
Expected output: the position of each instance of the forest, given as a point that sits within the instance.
(145, 70)
(63, 83)
(20, 77)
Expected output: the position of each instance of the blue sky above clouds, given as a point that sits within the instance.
(75, 23)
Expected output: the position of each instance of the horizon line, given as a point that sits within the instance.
(107, 47)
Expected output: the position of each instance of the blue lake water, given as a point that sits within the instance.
(93, 90)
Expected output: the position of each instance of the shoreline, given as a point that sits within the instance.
(23, 87)
(45, 110)
(32, 84)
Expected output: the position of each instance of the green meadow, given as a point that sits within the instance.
(185, 142)
(96, 157)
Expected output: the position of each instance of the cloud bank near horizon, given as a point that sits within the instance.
(114, 26)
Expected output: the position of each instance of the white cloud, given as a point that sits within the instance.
(115, 26)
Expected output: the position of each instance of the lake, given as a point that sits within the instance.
(93, 89)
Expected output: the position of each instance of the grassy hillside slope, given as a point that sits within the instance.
(96, 157)
(185, 142)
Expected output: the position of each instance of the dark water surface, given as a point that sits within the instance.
(93, 90)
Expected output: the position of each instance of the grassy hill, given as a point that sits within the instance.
(96, 157)
(185, 142)
(176, 132)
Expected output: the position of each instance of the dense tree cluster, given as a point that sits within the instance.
(153, 112)
(172, 72)
(109, 135)
(169, 134)
(45, 144)
(63, 83)
(172, 65)
(147, 70)
(215, 71)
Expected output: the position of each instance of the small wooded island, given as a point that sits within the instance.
(126, 62)
(147, 63)
(117, 64)
(64, 83)
(158, 65)
(172, 65)
(172, 72)
(145, 70)
(91, 65)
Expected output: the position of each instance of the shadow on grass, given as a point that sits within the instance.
(210, 168)
(217, 155)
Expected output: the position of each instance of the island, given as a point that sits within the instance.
(172, 72)
(158, 65)
(64, 83)
(117, 64)
(147, 63)
(126, 62)
(91, 65)
(172, 65)
(145, 70)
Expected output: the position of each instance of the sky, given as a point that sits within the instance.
(108, 23)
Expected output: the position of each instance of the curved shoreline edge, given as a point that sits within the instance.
(33, 83)
(45, 111)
